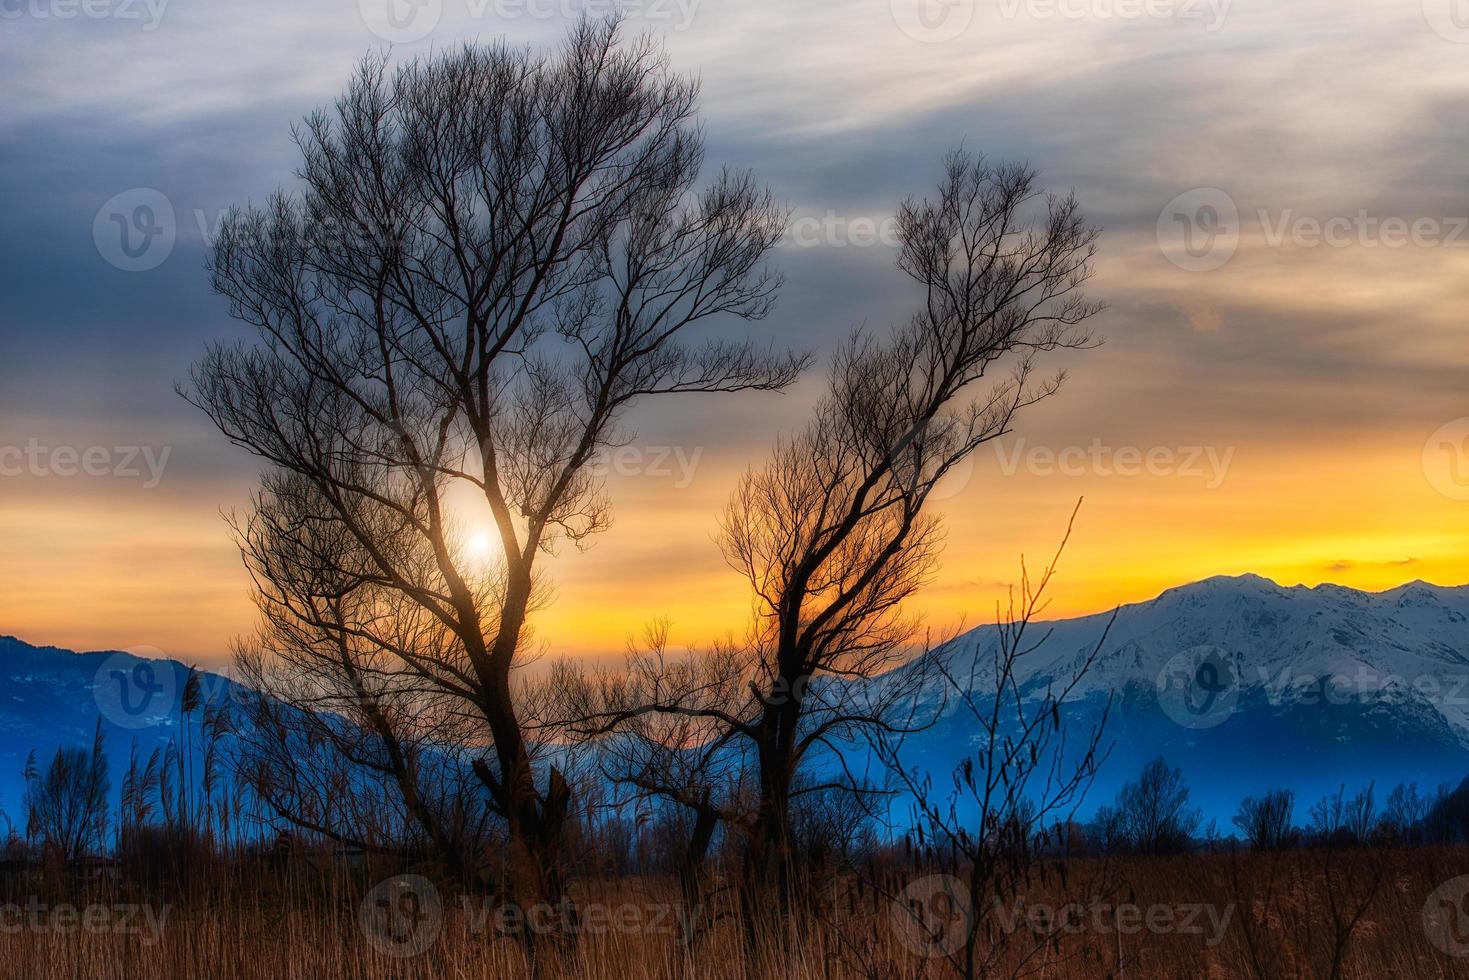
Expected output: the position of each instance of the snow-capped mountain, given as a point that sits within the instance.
(1248, 685)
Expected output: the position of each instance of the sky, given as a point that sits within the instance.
(1280, 186)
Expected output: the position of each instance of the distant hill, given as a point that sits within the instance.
(51, 697)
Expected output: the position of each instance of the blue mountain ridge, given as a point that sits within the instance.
(1244, 684)
(52, 698)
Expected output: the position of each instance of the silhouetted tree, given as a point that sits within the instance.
(1405, 810)
(1266, 820)
(1153, 812)
(67, 804)
(1361, 815)
(685, 759)
(494, 255)
(1328, 815)
(1448, 814)
(832, 536)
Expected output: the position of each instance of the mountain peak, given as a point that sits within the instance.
(1245, 580)
(1224, 585)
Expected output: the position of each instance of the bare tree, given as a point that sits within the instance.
(1361, 819)
(1405, 812)
(1337, 818)
(495, 253)
(1328, 815)
(1300, 910)
(1265, 820)
(687, 760)
(66, 806)
(1154, 813)
(831, 535)
(1447, 819)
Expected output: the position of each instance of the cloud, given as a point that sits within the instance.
(1345, 565)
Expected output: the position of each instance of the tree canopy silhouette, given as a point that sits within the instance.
(493, 254)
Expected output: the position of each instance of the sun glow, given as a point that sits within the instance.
(479, 547)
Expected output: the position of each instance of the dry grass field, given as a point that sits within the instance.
(1209, 915)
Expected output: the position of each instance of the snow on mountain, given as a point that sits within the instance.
(1249, 685)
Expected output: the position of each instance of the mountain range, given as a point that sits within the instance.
(1244, 684)
(1247, 686)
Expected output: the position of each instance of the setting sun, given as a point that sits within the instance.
(479, 546)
